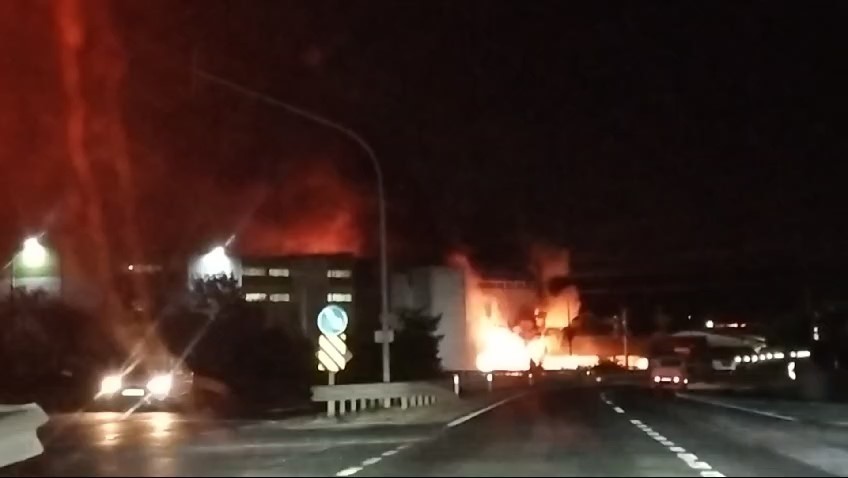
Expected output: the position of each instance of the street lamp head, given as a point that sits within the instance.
(33, 254)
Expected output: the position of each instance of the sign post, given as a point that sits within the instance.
(332, 353)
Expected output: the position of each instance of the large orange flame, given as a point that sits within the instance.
(496, 346)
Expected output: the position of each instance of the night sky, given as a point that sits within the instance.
(645, 135)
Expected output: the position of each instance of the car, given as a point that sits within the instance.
(668, 373)
(145, 387)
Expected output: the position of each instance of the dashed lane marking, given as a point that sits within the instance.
(349, 471)
(691, 460)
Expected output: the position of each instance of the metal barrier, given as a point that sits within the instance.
(363, 396)
(18, 437)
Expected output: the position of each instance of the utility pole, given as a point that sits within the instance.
(624, 337)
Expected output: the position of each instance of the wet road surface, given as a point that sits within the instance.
(556, 431)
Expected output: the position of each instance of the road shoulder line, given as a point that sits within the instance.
(476, 413)
(722, 404)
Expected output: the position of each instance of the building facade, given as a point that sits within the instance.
(292, 289)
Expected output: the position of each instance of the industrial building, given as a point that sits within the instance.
(293, 289)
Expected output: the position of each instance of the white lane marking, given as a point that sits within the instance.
(740, 408)
(390, 452)
(463, 419)
(689, 458)
(618, 409)
(692, 460)
(349, 471)
(371, 461)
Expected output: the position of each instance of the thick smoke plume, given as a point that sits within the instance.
(315, 211)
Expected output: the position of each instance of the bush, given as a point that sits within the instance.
(48, 348)
(224, 337)
(414, 353)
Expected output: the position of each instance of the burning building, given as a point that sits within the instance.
(491, 323)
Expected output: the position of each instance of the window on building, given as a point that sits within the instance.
(254, 271)
(278, 272)
(339, 273)
(282, 297)
(339, 297)
(255, 296)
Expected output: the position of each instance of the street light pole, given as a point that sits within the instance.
(381, 195)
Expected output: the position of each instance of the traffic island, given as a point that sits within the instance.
(18, 432)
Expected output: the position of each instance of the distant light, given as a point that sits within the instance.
(762, 356)
(769, 356)
(710, 324)
(216, 262)
(778, 355)
(803, 353)
(33, 254)
(130, 267)
(746, 359)
(754, 358)
(816, 336)
(790, 371)
(737, 359)
(733, 325)
(489, 377)
(690, 317)
(793, 354)
(657, 378)
(676, 379)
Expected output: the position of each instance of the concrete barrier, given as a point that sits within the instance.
(342, 399)
(18, 438)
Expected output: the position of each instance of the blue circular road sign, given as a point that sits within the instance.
(332, 320)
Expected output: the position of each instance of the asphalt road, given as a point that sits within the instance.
(553, 432)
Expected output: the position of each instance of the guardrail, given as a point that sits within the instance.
(18, 432)
(350, 398)
(363, 396)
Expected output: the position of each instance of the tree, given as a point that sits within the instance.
(49, 350)
(227, 338)
(415, 351)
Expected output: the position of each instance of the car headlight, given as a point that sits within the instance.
(160, 384)
(110, 384)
